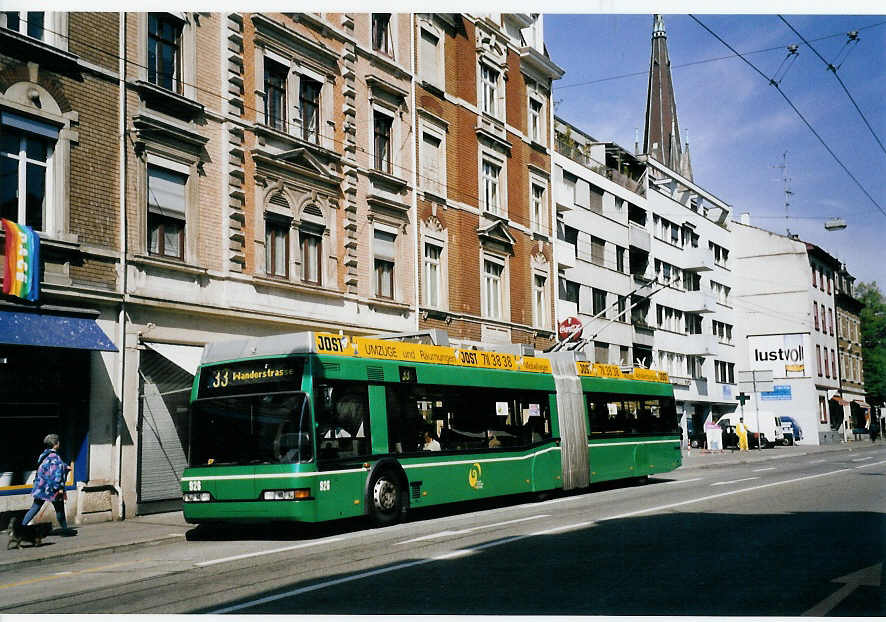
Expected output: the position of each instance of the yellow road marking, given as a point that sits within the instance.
(65, 575)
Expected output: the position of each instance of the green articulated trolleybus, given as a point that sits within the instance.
(310, 427)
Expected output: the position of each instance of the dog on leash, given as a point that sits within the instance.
(29, 533)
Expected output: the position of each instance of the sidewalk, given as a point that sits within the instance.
(702, 458)
(99, 537)
(156, 528)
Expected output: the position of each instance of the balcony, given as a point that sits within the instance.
(697, 260)
(699, 302)
(643, 334)
(565, 253)
(639, 238)
(700, 345)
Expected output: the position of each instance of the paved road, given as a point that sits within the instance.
(800, 535)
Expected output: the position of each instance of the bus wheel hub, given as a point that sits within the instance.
(385, 495)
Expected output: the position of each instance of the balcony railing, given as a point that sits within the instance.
(574, 153)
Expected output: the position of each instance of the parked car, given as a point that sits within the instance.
(797, 431)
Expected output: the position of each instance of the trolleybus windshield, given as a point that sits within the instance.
(251, 429)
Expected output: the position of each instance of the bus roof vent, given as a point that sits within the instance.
(375, 373)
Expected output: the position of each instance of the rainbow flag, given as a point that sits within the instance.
(21, 276)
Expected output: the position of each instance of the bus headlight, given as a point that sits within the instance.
(196, 497)
(291, 494)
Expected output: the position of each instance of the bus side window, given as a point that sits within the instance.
(342, 419)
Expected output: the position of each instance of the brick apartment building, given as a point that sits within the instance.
(59, 161)
(484, 145)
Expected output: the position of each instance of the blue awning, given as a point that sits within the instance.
(52, 331)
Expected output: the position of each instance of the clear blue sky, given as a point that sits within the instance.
(738, 125)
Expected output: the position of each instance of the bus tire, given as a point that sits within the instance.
(386, 498)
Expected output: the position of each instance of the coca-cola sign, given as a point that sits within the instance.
(569, 327)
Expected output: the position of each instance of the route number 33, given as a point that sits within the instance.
(324, 485)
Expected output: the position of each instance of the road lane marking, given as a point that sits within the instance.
(863, 466)
(862, 459)
(683, 481)
(420, 562)
(816, 462)
(563, 528)
(869, 576)
(61, 575)
(363, 575)
(735, 481)
(457, 532)
(766, 469)
(303, 545)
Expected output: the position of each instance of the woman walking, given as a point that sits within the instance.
(49, 484)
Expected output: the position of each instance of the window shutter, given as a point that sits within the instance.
(166, 192)
(384, 245)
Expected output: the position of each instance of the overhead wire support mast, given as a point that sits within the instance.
(853, 36)
(799, 114)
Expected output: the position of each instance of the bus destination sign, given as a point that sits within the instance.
(251, 377)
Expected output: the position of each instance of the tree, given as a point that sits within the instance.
(873, 340)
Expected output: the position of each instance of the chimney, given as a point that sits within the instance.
(746, 218)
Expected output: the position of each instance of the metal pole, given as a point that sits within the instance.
(757, 408)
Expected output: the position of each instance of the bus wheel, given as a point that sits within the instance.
(386, 499)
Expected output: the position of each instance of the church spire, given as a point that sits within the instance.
(662, 136)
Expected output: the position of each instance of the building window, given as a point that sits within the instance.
(166, 212)
(724, 372)
(382, 124)
(818, 358)
(831, 320)
(310, 257)
(827, 369)
(432, 274)
(489, 84)
(830, 282)
(620, 259)
(277, 247)
(381, 33)
(540, 301)
(538, 208)
(536, 120)
(814, 284)
(384, 251)
(721, 292)
(622, 309)
(598, 248)
(429, 57)
(26, 22)
(25, 161)
(432, 163)
(164, 51)
(670, 319)
(693, 324)
(834, 363)
(309, 109)
(275, 95)
(721, 255)
(601, 352)
(599, 302)
(492, 285)
(491, 194)
(568, 290)
(815, 314)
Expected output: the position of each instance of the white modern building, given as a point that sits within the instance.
(597, 185)
(784, 295)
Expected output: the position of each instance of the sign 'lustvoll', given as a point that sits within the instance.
(21, 277)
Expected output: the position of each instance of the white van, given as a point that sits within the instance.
(770, 425)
